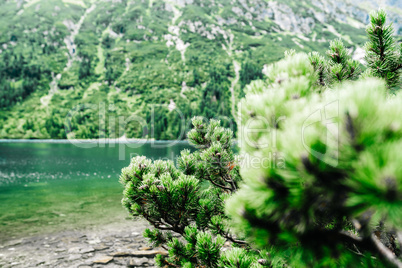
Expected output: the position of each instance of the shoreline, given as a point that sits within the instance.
(118, 244)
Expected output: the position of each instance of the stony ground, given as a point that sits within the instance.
(114, 245)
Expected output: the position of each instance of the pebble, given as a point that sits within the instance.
(101, 247)
(93, 242)
(87, 250)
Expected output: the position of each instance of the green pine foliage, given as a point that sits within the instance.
(322, 186)
(383, 57)
(342, 67)
(327, 175)
(185, 204)
(338, 67)
(383, 54)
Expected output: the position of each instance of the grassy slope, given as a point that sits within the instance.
(132, 67)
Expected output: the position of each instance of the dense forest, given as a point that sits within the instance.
(141, 69)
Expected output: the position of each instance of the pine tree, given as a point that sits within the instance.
(383, 55)
(327, 186)
(185, 204)
(337, 68)
(323, 187)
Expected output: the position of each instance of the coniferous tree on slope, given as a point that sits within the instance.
(383, 54)
(383, 57)
(339, 65)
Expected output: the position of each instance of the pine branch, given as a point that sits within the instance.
(384, 252)
(370, 243)
(218, 185)
(232, 239)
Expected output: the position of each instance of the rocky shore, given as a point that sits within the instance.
(114, 245)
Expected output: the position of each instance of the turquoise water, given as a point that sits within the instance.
(46, 187)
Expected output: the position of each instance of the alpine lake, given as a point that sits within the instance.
(49, 186)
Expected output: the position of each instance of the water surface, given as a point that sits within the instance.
(48, 186)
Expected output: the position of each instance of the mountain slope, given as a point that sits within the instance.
(140, 68)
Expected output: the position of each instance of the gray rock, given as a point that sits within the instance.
(103, 260)
(81, 250)
(87, 250)
(101, 247)
(121, 261)
(73, 257)
(135, 262)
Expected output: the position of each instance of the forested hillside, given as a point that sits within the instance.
(94, 66)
